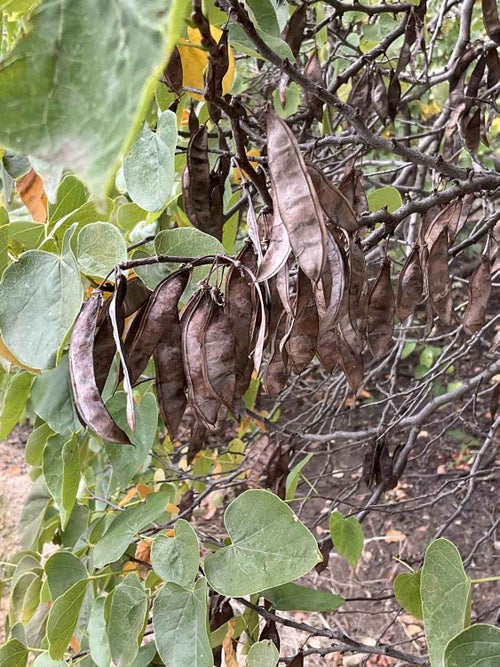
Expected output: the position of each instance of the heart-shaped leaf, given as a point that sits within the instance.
(177, 558)
(477, 645)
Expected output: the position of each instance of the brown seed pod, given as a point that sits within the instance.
(358, 288)
(278, 249)
(335, 205)
(380, 313)
(439, 278)
(479, 294)
(328, 348)
(410, 285)
(329, 291)
(104, 344)
(161, 305)
(86, 395)
(296, 198)
(276, 374)
(294, 31)
(196, 180)
(218, 354)
(116, 314)
(351, 358)
(302, 337)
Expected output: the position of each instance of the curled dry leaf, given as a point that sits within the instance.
(170, 378)
(439, 279)
(296, 198)
(335, 205)
(30, 189)
(151, 328)
(380, 315)
(86, 395)
(410, 286)
(479, 294)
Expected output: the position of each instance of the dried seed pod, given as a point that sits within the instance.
(104, 345)
(173, 75)
(335, 205)
(218, 64)
(328, 349)
(86, 395)
(329, 291)
(393, 95)
(312, 71)
(116, 315)
(352, 187)
(240, 305)
(294, 31)
(296, 198)
(278, 250)
(270, 631)
(162, 305)
(380, 315)
(358, 287)
(282, 282)
(276, 374)
(194, 319)
(302, 338)
(351, 358)
(379, 96)
(491, 20)
(410, 286)
(136, 295)
(196, 180)
(479, 294)
(218, 354)
(439, 279)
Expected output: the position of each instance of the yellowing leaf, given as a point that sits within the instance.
(194, 60)
(227, 645)
(6, 354)
(31, 190)
(428, 110)
(237, 172)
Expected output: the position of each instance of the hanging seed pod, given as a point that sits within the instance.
(173, 75)
(240, 305)
(439, 279)
(380, 315)
(410, 285)
(491, 20)
(329, 291)
(393, 95)
(294, 31)
(276, 374)
(104, 345)
(296, 198)
(278, 250)
(196, 180)
(161, 307)
(351, 359)
(352, 187)
(86, 395)
(194, 320)
(218, 354)
(282, 282)
(116, 314)
(302, 338)
(358, 288)
(312, 71)
(218, 64)
(379, 96)
(328, 348)
(479, 294)
(335, 205)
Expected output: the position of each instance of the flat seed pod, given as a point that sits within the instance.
(410, 286)
(194, 319)
(380, 315)
(393, 95)
(335, 205)
(302, 338)
(352, 187)
(330, 289)
(218, 356)
(86, 395)
(196, 180)
(448, 218)
(351, 361)
(283, 288)
(161, 306)
(253, 229)
(294, 31)
(104, 345)
(479, 294)
(358, 287)
(379, 96)
(116, 316)
(439, 279)
(170, 377)
(312, 71)
(491, 20)
(218, 64)
(172, 75)
(136, 296)
(278, 250)
(328, 349)
(296, 198)
(239, 306)
(276, 374)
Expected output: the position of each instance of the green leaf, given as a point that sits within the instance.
(128, 215)
(40, 297)
(63, 570)
(18, 594)
(25, 235)
(14, 402)
(77, 109)
(63, 617)
(444, 589)
(407, 592)
(98, 637)
(477, 646)
(13, 654)
(100, 247)
(263, 654)
(33, 512)
(44, 660)
(177, 558)
(347, 537)
(265, 16)
(125, 525)
(180, 624)
(62, 480)
(293, 477)
(125, 625)
(146, 654)
(53, 399)
(4, 247)
(35, 444)
(387, 196)
(149, 168)
(70, 196)
(126, 461)
(269, 546)
(239, 39)
(292, 597)
(17, 7)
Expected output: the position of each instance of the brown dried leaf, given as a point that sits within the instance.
(298, 659)
(335, 205)
(439, 279)
(471, 130)
(380, 315)
(30, 189)
(86, 395)
(410, 285)
(296, 198)
(479, 294)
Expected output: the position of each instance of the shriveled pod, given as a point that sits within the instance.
(447, 218)
(282, 283)
(162, 303)
(302, 338)
(479, 294)
(276, 373)
(335, 205)
(410, 285)
(170, 377)
(296, 198)
(352, 187)
(240, 305)
(351, 361)
(329, 291)
(194, 319)
(116, 314)
(196, 180)
(358, 287)
(86, 395)
(312, 71)
(278, 250)
(327, 349)
(293, 33)
(104, 345)
(219, 354)
(380, 312)
(136, 295)
(439, 278)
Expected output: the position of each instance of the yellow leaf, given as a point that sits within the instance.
(31, 190)
(173, 509)
(237, 176)
(194, 60)
(128, 497)
(143, 490)
(227, 645)
(428, 110)
(6, 354)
